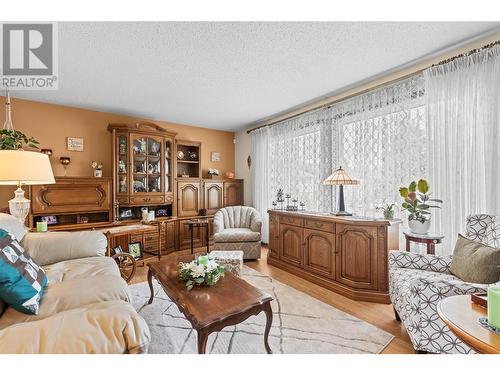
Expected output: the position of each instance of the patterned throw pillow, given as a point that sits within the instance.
(22, 281)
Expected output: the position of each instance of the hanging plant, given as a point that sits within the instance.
(16, 140)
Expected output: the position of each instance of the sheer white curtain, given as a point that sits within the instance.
(295, 156)
(381, 140)
(260, 170)
(463, 111)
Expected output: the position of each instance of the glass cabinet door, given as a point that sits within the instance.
(146, 164)
(122, 160)
(168, 165)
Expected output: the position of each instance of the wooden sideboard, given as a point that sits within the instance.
(345, 254)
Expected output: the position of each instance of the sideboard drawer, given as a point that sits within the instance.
(321, 225)
(290, 220)
(147, 199)
(122, 200)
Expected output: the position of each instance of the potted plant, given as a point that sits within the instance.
(417, 202)
(388, 211)
(16, 140)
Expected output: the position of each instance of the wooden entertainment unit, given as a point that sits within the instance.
(151, 169)
(345, 254)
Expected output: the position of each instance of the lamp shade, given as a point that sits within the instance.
(18, 167)
(340, 177)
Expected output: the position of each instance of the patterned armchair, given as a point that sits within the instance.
(418, 282)
(238, 228)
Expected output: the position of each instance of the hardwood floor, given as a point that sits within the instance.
(380, 315)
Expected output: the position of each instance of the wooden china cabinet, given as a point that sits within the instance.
(153, 170)
(142, 166)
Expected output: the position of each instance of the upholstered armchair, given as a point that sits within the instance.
(238, 228)
(418, 282)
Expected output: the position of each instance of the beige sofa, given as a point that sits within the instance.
(238, 228)
(86, 306)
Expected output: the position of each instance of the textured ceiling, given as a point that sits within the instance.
(228, 75)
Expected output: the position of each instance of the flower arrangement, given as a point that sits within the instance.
(213, 172)
(201, 271)
(97, 167)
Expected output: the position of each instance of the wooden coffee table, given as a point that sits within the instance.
(461, 316)
(211, 308)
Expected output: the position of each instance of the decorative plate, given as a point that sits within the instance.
(180, 155)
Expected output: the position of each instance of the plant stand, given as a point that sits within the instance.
(429, 240)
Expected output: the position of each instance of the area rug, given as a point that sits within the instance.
(301, 324)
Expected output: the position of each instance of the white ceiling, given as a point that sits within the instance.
(228, 75)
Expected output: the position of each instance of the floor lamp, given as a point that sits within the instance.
(340, 178)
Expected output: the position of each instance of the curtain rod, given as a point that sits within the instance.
(402, 78)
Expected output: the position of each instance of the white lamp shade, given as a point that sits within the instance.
(18, 167)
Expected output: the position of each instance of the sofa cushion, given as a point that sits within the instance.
(52, 247)
(22, 281)
(12, 225)
(474, 262)
(112, 327)
(237, 235)
(71, 294)
(81, 268)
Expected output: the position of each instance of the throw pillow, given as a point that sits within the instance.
(474, 262)
(22, 281)
(13, 225)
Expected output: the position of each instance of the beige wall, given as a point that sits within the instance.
(52, 124)
(243, 140)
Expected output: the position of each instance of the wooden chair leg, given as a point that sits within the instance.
(396, 315)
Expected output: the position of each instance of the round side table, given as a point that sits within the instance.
(429, 239)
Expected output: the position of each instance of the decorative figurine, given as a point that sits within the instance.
(123, 184)
(155, 148)
(122, 168)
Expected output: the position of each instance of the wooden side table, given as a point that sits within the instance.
(199, 223)
(461, 316)
(428, 239)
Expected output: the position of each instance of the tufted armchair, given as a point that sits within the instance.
(238, 228)
(418, 282)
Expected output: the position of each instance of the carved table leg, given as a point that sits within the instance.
(202, 341)
(150, 282)
(269, 322)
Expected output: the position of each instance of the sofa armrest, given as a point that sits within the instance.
(434, 263)
(52, 247)
(112, 327)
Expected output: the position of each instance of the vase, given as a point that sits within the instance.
(419, 227)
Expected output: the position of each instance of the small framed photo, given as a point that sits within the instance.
(50, 220)
(125, 213)
(161, 212)
(74, 144)
(117, 250)
(215, 156)
(135, 249)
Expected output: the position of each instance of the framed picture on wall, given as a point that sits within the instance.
(215, 156)
(135, 249)
(74, 144)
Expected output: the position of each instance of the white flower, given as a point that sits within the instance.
(211, 265)
(198, 271)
